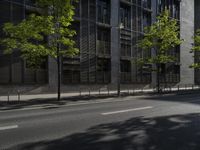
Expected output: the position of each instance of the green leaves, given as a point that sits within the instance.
(39, 35)
(196, 48)
(162, 36)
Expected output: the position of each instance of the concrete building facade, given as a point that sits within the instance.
(107, 34)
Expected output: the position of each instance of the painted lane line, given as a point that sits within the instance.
(68, 105)
(127, 110)
(8, 127)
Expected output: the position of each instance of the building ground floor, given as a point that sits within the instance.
(17, 77)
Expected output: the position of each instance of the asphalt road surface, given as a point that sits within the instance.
(128, 123)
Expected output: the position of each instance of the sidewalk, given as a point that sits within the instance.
(75, 96)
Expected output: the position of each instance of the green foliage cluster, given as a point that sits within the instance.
(196, 49)
(161, 36)
(39, 36)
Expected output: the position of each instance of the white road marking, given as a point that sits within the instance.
(8, 127)
(110, 100)
(127, 110)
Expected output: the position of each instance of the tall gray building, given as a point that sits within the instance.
(107, 34)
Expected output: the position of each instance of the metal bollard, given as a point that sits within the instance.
(18, 95)
(80, 92)
(8, 97)
(99, 91)
(89, 91)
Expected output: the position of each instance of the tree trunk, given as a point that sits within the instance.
(158, 78)
(59, 73)
(165, 77)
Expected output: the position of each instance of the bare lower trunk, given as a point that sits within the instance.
(59, 73)
(158, 78)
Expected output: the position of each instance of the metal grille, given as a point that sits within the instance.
(88, 41)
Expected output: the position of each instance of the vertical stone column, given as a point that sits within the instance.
(197, 26)
(52, 74)
(115, 51)
(186, 33)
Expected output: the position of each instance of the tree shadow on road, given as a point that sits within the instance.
(192, 98)
(177, 132)
(51, 102)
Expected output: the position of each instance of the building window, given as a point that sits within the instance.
(172, 5)
(146, 19)
(125, 16)
(103, 70)
(103, 41)
(104, 11)
(30, 2)
(71, 70)
(170, 73)
(126, 50)
(146, 3)
(125, 71)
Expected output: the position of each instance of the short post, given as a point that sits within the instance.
(99, 91)
(8, 97)
(80, 92)
(18, 95)
(108, 91)
(178, 88)
(192, 87)
(89, 91)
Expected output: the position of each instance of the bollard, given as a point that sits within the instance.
(89, 91)
(178, 88)
(99, 91)
(8, 97)
(18, 95)
(108, 91)
(80, 92)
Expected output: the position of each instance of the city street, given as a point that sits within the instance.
(170, 122)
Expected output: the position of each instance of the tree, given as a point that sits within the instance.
(196, 49)
(52, 23)
(161, 36)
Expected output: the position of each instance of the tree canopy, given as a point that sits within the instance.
(162, 36)
(196, 49)
(41, 34)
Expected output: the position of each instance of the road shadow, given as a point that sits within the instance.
(177, 132)
(191, 98)
(14, 104)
